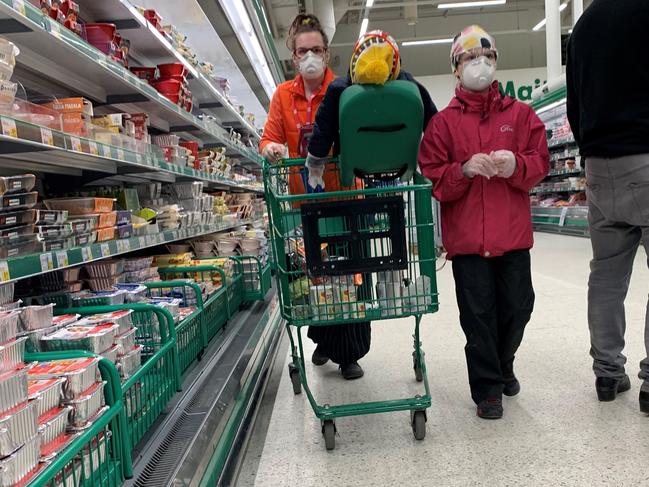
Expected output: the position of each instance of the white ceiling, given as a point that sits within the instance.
(511, 24)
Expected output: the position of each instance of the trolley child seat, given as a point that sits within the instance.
(338, 244)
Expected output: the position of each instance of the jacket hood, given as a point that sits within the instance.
(491, 101)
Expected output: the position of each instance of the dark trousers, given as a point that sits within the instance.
(496, 298)
(343, 344)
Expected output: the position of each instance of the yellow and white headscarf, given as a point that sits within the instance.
(375, 59)
(471, 37)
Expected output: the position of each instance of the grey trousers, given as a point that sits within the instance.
(618, 201)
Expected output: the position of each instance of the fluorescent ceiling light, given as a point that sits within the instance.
(240, 21)
(369, 3)
(427, 41)
(481, 3)
(541, 24)
(363, 27)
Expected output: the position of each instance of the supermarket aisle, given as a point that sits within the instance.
(554, 433)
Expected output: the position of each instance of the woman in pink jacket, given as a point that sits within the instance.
(484, 153)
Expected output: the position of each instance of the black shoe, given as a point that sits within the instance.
(512, 387)
(491, 408)
(318, 358)
(608, 388)
(644, 402)
(352, 371)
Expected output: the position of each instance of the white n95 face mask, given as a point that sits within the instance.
(478, 74)
(311, 66)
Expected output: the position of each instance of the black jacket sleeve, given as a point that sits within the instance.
(429, 107)
(325, 132)
(572, 102)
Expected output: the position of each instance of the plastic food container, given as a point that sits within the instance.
(105, 268)
(36, 317)
(12, 355)
(124, 217)
(74, 287)
(18, 248)
(52, 425)
(8, 325)
(33, 343)
(97, 338)
(148, 74)
(105, 234)
(100, 32)
(99, 298)
(17, 184)
(20, 463)
(23, 201)
(80, 374)
(86, 405)
(130, 363)
(47, 393)
(122, 319)
(49, 217)
(49, 452)
(126, 341)
(11, 306)
(59, 244)
(176, 71)
(65, 320)
(112, 353)
(16, 218)
(83, 225)
(85, 239)
(135, 293)
(6, 293)
(13, 389)
(104, 220)
(8, 52)
(17, 426)
(103, 284)
(7, 95)
(14, 232)
(55, 231)
(81, 206)
(137, 263)
(168, 86)
(124, 231)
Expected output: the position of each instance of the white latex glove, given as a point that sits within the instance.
(480, 165)
(273, 151)
(505, 162)
(315, 167)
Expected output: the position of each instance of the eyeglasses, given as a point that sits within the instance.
(317, 50)
(476, 53)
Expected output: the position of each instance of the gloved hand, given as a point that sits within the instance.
(315, 167)
(273, 151)
(480, 165)
(505, 162)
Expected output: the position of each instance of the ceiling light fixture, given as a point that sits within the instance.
(369, 3)
(481, 3)
(428, 41)
(541, 24)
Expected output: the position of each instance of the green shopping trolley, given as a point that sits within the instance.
(363, 252)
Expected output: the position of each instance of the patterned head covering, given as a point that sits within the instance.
(471, 37)
(375, 59)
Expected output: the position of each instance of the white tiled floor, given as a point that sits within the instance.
(554, 433)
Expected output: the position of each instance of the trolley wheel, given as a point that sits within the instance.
(419, 373)
(418, 420)
(329, 433)
(294, 374)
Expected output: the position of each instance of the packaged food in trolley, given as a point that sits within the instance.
(123, 319)
(34, 343)
(36, 317)
(12, 354)
(130, 362)
(46, 393)
(112, 353)
(94, 338)
(13, 389)
(86, 405)
(126, 341)
(80, 374)
(17, 426)
(8, 325)
(18, 466)
(52, 428)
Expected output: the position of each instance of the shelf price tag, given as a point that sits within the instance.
(19, 6)
(564, 213)
(54, 29)
(4, 271)
(105, 150)
(9, 127)
(141, 241)
(76, 144)
(47, 263)
(46, 136)
(86, 254)
(105, 250)
(120, 154)
(94, 150)
(62, 259)
(126, 245)
(138, 158)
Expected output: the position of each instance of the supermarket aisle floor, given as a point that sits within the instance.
(554, 433)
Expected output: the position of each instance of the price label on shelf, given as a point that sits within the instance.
(138, 158)
(47, 262)
(126, 245)
(141, 241)
(120, 154)
(86, 254)
(62, 259)
(9, 127)
(564, 213)
(54, 28)
(105, 250)
(76, 144)
(105, 150)
(4, 271)
(19, 6)
(94, 150)
(46, 136)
